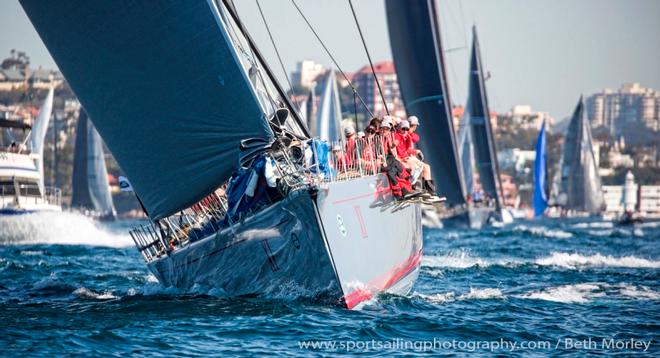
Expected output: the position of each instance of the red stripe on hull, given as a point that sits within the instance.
(384, 282)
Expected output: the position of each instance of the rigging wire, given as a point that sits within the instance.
(366, 50)
(332, 58)
(277, 52)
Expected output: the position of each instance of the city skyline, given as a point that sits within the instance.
(545, 61)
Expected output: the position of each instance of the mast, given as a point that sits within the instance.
(229, 5)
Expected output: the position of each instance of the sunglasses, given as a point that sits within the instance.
(386, 128)
(405, 129)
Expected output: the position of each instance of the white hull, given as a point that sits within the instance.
(346, 243)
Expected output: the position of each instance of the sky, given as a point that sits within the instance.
(544, 53)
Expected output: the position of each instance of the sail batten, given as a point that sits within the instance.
(417, 50)
(164, 86)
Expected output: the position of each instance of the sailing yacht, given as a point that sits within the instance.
(578, 191)
(22, 189)
(239, 197)
(420, 64)
(91, 190)
(328, 117)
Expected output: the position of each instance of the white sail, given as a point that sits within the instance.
(466, 153)
(38, 134)
(328, 117)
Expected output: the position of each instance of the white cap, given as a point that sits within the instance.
(404, 124)
(386, 123)
(348, 130)
(414, 121)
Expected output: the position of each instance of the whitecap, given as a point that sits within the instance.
(84, 292)
(473, 294)
(638, 292)
(60, 228)
(578, 293)
(454, 259)
(543, 231)
(482, 294)
(575, 260)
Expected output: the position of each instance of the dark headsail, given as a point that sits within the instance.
(90, 177)
(485, 151)
(417, 50)
(580, 187)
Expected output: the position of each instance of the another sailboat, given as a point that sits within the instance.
(284, 226)
(483, 140)
(579, 192)
(420, 65)
(91, 190)
(540, 196)
(22, 188)
(328, 116)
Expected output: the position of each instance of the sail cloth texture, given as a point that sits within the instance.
(540, 198)
(91, 189)
(417, 50)
(580, 186)
(38, 134)
(328, 117)
(163, 83)
(482, 132)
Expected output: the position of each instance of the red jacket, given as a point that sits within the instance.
(405, 146)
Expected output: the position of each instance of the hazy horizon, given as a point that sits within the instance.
(543, 53)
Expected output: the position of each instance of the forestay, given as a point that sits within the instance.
(165, 88)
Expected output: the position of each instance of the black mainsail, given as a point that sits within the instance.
(580, 187)
(420, 65)
(482, 137)
(91, 190)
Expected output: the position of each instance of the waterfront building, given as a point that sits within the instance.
(306, 72)
(364, 81)
(630, 104)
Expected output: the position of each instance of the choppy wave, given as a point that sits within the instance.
(574, 261)
(587, 292)
(578, 293)
(462, 259)
(542, 231)
(473, 294)
(63, 228)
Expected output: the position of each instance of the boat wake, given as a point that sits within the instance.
(58, 228)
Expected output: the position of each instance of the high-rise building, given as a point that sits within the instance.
(306, 72)
(630, 104)
(364, 82)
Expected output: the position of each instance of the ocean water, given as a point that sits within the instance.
(69, 286)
